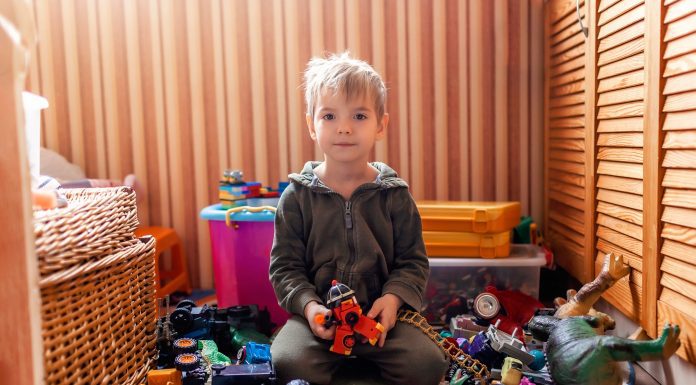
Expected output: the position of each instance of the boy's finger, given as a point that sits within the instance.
(382, 337)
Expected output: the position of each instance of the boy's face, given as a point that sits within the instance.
(346, 130)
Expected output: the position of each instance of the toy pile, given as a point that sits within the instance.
(196, 343)
(234, 191)
(520, 342)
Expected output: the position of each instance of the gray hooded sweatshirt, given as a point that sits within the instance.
(372, 242)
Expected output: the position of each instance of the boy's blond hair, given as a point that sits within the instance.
(343, 75)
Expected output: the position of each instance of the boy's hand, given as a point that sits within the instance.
(384, 311)
(311, 311)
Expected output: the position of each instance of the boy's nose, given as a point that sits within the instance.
(344, 128)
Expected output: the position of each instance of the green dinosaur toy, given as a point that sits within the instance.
(577, 355)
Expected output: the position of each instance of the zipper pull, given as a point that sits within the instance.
(348, 216)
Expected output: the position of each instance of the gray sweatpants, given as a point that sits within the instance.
(408, 356)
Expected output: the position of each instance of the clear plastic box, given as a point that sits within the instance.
(454, 279)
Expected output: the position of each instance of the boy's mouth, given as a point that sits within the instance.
(344, 144)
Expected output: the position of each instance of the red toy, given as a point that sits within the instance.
(349, 319)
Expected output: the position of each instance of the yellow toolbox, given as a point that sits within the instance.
(470, 217)
(457, 244)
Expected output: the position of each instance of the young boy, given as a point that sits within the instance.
(353, 221)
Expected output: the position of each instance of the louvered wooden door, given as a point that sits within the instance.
(621, 126)
(677, 298)
(565, 156)
(620, 41)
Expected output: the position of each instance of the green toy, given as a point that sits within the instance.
(577, 355)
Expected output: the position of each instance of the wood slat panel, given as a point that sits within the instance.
(618, 9)
(678, 301)
(571, 122)
(679, 198)
(565, 57)
(680, 28)
(567, 144)
(567, 199)
(679, 102)
(680, 159)
(567, 133)
(679, 10)
(568, 156)
(680, 65)
(622, 51)
(620, 169)
(629, 155)
(622, 66)
(621, 125)
(620, 240)
(680, 46)
(567, 100)
(572, 179)
(621, 81)
(573, 41)
(679, 139)
(561, 112)
(678, 233)
(680, 216)
(623, 110)
(620, 96)
(634, 261)
(559, 24)
(617, 183)
(621, 22)
(680, 121)
(668, 314)
(622, 37)
(576, 226)
(568, 66)
(570, 167)
(571, 213)
(679, 251)
(577, 192)
(620, 226)
(680, 270)
(568, 88)
(620, 140)
(679, 179)
(680, 83)
(570, 77)
(620, 198)
(567, 232)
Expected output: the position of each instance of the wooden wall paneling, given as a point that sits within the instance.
(132, 92)
(620, 155)
(198, 128)
(20, 328)
(568, 133)
(591, 150)
(675, 163)
(652, 174)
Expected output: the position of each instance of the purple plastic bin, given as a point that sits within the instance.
(241, 255)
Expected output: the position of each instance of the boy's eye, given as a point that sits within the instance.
(328, 117)
(360, 116)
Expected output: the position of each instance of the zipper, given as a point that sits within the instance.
(348, 216)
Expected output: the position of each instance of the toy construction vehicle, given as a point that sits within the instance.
(347, 315)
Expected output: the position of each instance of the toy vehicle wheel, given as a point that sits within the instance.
(185, 303)
(181, 320)
(486, 306)
(349, 341)
(352, 318)
(185, 345)
(239, 311)
(187, 362)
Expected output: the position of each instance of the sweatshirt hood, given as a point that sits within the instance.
(387, 177)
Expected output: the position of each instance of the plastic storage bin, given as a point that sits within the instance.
(470, 217)
(450, 244)
(241, 256)
(453, 278)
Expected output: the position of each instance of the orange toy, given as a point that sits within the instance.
(349, 319)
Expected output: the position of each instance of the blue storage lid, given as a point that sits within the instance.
(217, 213)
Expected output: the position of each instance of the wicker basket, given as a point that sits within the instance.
(97, 290)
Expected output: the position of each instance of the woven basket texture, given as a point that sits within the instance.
(95, 223)
(98, 309)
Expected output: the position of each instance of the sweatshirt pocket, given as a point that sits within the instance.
(367, 288)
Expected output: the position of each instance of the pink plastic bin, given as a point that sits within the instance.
(241, 255)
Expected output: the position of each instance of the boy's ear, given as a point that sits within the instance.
(382, 130)
(310, 127)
